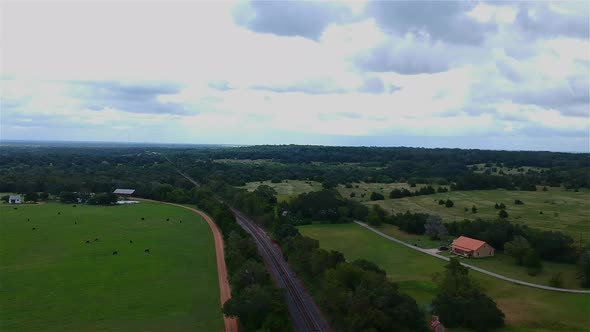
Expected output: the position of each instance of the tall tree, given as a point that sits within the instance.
(435, 228)
(518, 248)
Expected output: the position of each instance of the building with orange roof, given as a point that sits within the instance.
(468, 247)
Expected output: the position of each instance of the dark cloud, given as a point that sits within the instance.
(540, 21)
(443, 20)
(508, 70)
(565, 97)
(373, 85)
(405, 58)
(128, 97)
(306, 19)
(314, 87)
(220, 85)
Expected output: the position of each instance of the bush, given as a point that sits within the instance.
(556, 280)
(377, 196)
(533, 264)
(503, 214)
(518, 202)
(449, 203)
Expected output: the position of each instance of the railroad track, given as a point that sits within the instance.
(310, 318)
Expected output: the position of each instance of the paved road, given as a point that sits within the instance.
(305, 314)
(515, 281)
(231, 323)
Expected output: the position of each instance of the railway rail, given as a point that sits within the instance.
(306, 315)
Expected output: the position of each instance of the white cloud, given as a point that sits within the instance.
(237, 85)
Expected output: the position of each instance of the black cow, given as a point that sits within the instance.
(87, 241)
(147, 250)
(115, 252)
(130, 241)
(34, 228)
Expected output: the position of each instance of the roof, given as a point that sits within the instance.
(124, 191)
(467, 243)
(14, 197)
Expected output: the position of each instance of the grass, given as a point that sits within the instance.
(363, 190)
(500, 263)
(51, 280)
(287, 188)
(564, 211)
(526, 309)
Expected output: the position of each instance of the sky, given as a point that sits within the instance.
(468, 74)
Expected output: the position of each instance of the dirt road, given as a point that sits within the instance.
(231, 324)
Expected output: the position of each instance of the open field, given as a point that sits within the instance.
(287, 188)
(526, 309)
(51, 280)
(564, 211)
(500, 263)
(291, 188)
(360, 188)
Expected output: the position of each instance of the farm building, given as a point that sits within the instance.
(124, 192)
(468, 247)
(14, 199)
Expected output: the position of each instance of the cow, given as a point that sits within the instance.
(87, 241)
(115, 252)
(130, 241)
(147, 250)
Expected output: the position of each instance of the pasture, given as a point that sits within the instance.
(287, 188)
(526, 309)
(555, 209)
(52, 280)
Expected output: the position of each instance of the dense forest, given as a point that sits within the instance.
(92, 168)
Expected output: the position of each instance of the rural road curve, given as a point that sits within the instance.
(428, 252)
(231, 324)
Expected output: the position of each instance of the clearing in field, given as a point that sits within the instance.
(286, 189)
(555, 209)
(526, 308)
(52, 280)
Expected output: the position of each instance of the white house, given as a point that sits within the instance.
(14, 199)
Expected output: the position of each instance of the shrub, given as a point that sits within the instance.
(449, 203)
(556, 280)
(377, 196)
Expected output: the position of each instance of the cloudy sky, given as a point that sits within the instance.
(469, 74)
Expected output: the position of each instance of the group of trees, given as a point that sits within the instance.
(346, 290)
(256, 302)
(428, 190)
(325, 205)
(462, 303)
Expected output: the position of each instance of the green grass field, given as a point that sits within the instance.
(564, 211)
(51, 280)
(526, 309)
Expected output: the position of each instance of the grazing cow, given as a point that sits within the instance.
(147, 250)
(96, 239)
(87, 241)
(75, 223)
(74, 205)
(28, 219)
(167, 219)
(59, 213)
(142, 218)
(130, 241)
(16, 208)
(115, 252)
(181, 221)
(34, 228)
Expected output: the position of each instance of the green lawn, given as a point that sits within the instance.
(51, 280)
(564, 211)
(526, 309)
